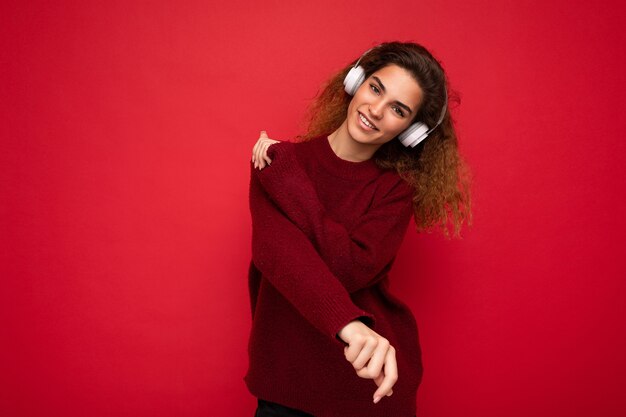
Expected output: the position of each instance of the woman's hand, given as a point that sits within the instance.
(259, 151)
(366, 347)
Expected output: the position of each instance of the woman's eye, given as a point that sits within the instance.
(374, 88)
(400, 112)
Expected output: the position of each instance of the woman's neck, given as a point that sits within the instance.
(345, 147)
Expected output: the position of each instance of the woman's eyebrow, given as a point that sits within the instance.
(382, 87)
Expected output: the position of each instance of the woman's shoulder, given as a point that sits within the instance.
(283, 154)
(294, 151)
(280, 147)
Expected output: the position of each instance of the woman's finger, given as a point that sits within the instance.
(255, 149)
(261, 141)
(261, 153)
(391, 375)
(375, 365)
(354, 348)
(267, 158)
(379, 380)
(376, 360)
(264, 158)
(361, 362)
(258, 152)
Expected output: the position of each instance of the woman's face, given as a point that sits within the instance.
(388, 100)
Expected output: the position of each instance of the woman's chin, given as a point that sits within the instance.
(359, 135)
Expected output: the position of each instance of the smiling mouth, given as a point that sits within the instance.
(366, 121)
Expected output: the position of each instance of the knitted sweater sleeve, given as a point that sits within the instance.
(357, 257)
(288, 260)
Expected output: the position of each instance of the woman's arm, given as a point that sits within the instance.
(288, 260)
(359, 256)
(290, 263)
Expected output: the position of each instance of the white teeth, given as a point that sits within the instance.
(366, 122)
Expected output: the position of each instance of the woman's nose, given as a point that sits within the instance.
(375, 110)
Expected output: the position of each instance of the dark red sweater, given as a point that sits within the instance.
(325, 232)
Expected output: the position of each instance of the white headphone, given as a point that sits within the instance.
(412, 135)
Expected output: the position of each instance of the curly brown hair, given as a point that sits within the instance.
(434, 168)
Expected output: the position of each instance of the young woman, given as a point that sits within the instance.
(329, 212)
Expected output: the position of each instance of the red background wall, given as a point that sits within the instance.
(126, 133)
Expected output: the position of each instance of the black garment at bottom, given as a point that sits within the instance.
(270, 409)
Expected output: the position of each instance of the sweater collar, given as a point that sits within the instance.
(342, 167)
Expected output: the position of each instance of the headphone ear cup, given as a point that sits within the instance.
(354, 79)
(414, 134)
